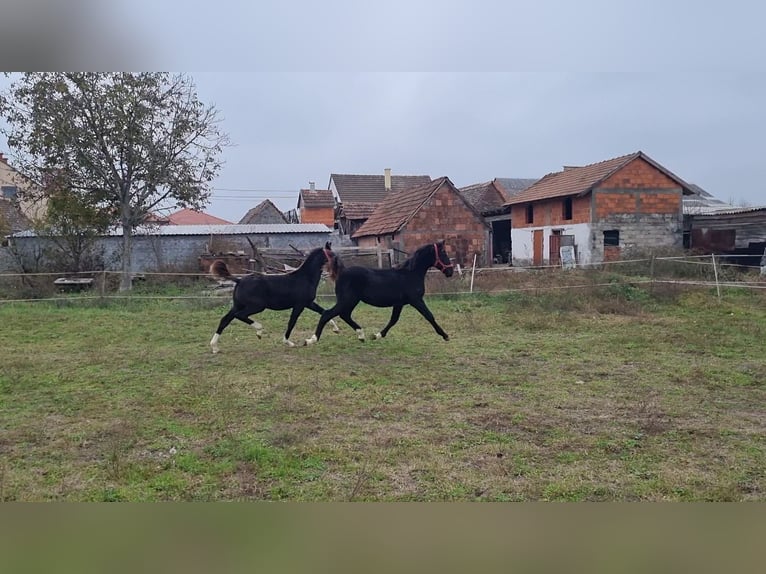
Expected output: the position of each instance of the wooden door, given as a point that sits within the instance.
(554, 255)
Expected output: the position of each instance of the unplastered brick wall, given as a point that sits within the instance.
(552, 212)
(638, 174)
(446, 216)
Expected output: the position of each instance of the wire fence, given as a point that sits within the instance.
(689, 271)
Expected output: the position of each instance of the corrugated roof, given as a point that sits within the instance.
(233, 229)
(372, 188)
(703, 211)
(580, 180)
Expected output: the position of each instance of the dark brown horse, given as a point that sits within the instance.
(295, 290)
(397, 287)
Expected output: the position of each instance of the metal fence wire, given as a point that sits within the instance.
(704, 271)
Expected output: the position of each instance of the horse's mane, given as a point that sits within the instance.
(411, 263)
(314, 253)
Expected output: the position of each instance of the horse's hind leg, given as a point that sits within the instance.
(346, 316)
(228, 318)
(394, 318)
(244, 316)
(318, 309)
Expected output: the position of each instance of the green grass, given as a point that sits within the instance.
(620, 394)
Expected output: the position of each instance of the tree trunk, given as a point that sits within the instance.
(126, 280)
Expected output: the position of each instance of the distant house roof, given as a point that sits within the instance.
(514, 185)
(191, 217)
(266, 207)
(11, 218)
(372, 188)
(581, 180)
(702, 203)
(231, 229)
(356, 210)
(316, 198)
(398, 208)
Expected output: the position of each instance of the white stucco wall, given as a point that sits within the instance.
(522, 242)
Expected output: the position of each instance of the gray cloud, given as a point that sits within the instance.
(495, 88)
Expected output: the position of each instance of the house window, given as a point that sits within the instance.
(530, 213)
(612, 238)
(567, 208)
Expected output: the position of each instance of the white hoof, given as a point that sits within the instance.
(360, 334)
(259, 334)
(313, 339)
(378, 336)
(335, 328)
(214, 343)
(288, 342)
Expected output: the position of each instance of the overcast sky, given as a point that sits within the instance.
(576, 83)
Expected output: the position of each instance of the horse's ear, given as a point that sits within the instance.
(328, 245)
(440, 243)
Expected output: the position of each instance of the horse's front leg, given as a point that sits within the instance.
(296, 312)
(394, 318)
(318, 309)
(420, 305)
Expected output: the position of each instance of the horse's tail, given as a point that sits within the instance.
(219, 269)
(336, 268)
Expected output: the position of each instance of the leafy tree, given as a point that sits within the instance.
(73, 225)
(125, 144)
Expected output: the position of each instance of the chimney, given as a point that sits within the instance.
(311, 185)
(387, 178)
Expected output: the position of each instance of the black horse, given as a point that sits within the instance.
(296, 290)
(397, 287)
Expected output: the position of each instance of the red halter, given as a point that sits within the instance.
(439, 265)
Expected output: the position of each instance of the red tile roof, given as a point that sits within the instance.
(356, 211)
(316, 198)
(11, 218)
(484, 197)
(191, 217)
(397, 209)
(581, 180)
(265, 210)
(354, 188)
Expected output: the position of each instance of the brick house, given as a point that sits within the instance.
(316, 206)
(12, 186)
(407, 219)
(264, 212)
(359, 195)
(489, 199)
(603, 210)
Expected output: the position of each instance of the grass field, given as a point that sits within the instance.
(612, 395)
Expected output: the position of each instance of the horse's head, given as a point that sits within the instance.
(442, 261)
